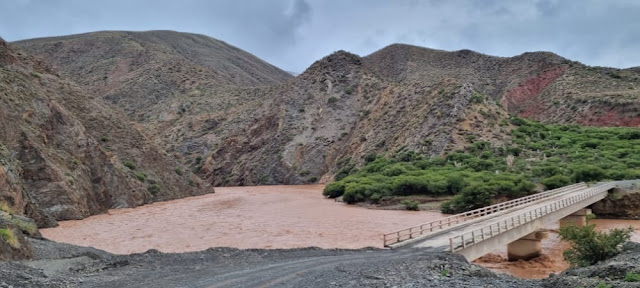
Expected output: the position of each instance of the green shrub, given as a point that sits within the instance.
(141, 176)
(6, 208)
(348, 90)
(154, 189)
(632, 277)
(129, 165)
(557, 181)
(8, 236)
(588, 173)
(409, 185)
(178, 171)
(370, 157)
(332, 100)
(334, 190)
(589, 246)
(411, 204)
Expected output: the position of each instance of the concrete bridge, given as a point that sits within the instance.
(515, 224)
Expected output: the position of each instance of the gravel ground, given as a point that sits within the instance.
(61, 265)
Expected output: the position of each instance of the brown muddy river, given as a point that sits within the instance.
(272, 217)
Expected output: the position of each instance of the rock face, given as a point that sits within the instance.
(619, 204)
(236, 120)
(65, 154)
(13, 232)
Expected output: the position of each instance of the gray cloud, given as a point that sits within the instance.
(292, 34)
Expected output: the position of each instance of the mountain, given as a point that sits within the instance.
(238, 131)
(66, 154)
(137, 70)
(540, 85)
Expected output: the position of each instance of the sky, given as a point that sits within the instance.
(292, 34)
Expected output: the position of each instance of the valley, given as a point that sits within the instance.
(178, 153)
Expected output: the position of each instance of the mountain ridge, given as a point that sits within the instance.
(344, 106)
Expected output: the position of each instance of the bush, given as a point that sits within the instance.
(178, 171)
(154, 189)
(409, 185)
(588, 173)
(632, 277)
(334, 190)
(6, 208)
(141, 176)
(370, 157)
(332, 100)
(589, 246)
(557, 181)
(474, 196)
(129, 165)
(7, 236)
(411, 204)
(348, 90)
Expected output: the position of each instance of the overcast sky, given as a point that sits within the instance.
(291, 34)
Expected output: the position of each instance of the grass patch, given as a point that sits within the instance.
(6, 208)
(632, 277)
(8, 236)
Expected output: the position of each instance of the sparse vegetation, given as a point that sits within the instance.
(332, 100)
(6, 208)
(632, 277)
(141, 176)
(589, 246)
(8, 236)
(178, 171)
(129, 165)
(348, 90)
(154, 189)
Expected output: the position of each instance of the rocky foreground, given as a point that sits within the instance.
(62, 265)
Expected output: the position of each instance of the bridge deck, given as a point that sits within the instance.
(480, 237)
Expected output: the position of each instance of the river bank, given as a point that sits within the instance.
(63, 265)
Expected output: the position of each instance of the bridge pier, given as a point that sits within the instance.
(579, 218)
(527, 247)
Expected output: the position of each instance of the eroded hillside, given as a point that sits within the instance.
(235, 127)
(65, 154)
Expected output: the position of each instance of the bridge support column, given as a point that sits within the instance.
(527, 247)
(579, 218)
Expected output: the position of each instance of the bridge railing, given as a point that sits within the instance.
(488, 231)
(441, 224)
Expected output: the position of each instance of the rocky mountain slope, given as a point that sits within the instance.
(65, 154)
(246, 130)
(137, 70)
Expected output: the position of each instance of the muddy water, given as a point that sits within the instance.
(275, 217)
(551, 261)
(241, 217)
